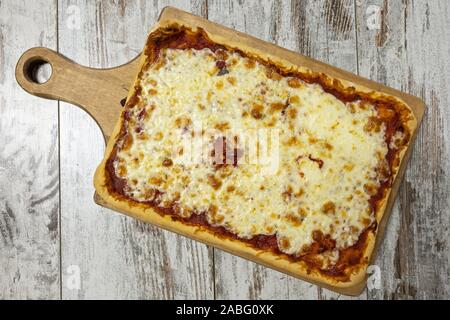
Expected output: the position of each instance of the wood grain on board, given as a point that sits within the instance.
(121, 258)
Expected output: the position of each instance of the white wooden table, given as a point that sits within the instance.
(50, 229)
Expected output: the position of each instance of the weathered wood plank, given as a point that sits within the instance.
(29, 186)
(324, 30)
(118, 257)
(410, 51)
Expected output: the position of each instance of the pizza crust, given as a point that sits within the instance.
(299, 269)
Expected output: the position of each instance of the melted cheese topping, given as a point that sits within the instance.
(327, 160)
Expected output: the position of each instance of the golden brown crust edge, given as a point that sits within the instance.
(297, 269)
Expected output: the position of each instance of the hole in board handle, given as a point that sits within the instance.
(38, 71)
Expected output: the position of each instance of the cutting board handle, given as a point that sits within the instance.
(35, 57)
(97, 91)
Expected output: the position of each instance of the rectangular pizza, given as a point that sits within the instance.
(262, 158)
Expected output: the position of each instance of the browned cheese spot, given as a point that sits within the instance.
(294, 100)
(277, 106)
(159, 136)
(250, 63)
(272, 74)
(232, 80)
(231, 188)
(294, 220)
(167, 162)
(219, 84)
(222, 126)
(329, 207)
(152, 92)
(371, 189)
(294, 83)
(292, 113)
(256, 111)
(121, 171)
(214, 182)
(183, 122)
(373, 125)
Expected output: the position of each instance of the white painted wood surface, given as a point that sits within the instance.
(50, 228)
(29, 188)
(411, 52)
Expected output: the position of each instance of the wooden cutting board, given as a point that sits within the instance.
(101, 91)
